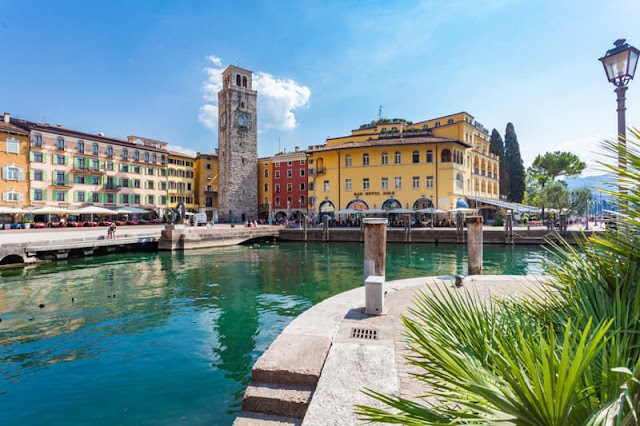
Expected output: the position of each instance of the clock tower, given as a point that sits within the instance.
(237, 147)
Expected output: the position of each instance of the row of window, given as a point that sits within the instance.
(384, 183)
(180, 186)
(95, 150)
(181, 173)
(186, 200)
(289, 173)
(289, 187)
(289, 163)
(180, 162)
(446, 156)
(94, 164)
(94, 197)
(276, 201)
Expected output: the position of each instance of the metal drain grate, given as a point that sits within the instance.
(364, 333)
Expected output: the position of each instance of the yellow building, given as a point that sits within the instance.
(395, 163)
(14, 160)
(265, 191)
(206, 184)
(181, 180)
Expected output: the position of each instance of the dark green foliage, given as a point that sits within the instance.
(515, 166)
(496, 146)
(569, 355)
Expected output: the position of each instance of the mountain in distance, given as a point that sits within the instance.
(594, 183)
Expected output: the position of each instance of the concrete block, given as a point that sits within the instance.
(374, 295)
(283, 400)
(292, 359)
(257, 419)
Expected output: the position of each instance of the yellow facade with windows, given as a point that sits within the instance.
(14, 162)
(206, 184)
(181, 180)
(396, 163)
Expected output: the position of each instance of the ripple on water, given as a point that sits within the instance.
(177, 342)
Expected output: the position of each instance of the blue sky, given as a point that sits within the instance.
(323, 68)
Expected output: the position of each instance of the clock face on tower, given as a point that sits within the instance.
(242, 119)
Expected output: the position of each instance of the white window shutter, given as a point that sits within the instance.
(20, 197)
(20, 174)
(5, 195)
(5, 172)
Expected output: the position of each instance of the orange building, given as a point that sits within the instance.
(14, 160)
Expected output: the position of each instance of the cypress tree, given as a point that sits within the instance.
(496, 146)
(515, 166)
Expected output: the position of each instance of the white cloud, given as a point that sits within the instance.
(277, 98)
(208, 116)
(214, 60)
(182, 150)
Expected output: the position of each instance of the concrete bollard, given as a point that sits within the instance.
(374, 295)
(375, 246)
(474, 244)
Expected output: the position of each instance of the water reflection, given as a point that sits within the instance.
(178, 340)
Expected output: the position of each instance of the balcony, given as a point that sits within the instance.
(60, 183)
(317, 171)
(88, 170)
(109, 187)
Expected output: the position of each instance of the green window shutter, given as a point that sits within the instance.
(44, 175)
(31, 174)
(44, 157)
(31, 191)
(54, 195)
(75, 162)
(75, 196)
(31, 156)
(66, 178)
(44, 194)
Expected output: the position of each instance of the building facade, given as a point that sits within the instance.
(206, 184)
(181, 180)
(70, 168)
(282, 185)
(237, 147)
(395, 163)
(14, 160)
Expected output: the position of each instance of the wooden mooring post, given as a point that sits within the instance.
(474, 244)
(375, 247)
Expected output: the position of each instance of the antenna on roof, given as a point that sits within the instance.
(380, 111)
(238, 61)
(278, 144)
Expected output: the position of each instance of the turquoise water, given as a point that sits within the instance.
(177, 342)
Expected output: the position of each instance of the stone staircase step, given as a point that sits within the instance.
(283, 400)
(246, 418)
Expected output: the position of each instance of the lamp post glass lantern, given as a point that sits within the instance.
(620, 66)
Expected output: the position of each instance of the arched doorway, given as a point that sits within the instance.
(390, 204)
(358, 204)
(326, 208)
(422, 203)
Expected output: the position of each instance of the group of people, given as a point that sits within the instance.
(250, 224)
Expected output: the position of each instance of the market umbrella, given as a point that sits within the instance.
(94, 210)
(433, 211)
(132, 210)
(48, 210)
(375, 211)
(401, 211)
(11, 210)
(349, 211)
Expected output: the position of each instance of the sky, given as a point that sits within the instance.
(152, 68)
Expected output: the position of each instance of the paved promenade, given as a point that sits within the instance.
(313, 373)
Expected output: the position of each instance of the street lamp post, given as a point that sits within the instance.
(620, 66)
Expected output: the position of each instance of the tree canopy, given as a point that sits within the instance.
(515, 166)
(552, 165)
(555, 195)
(496, 146)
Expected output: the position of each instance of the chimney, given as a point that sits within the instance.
(297, 148)
(7, 117)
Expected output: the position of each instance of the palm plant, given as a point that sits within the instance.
(569, 355)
